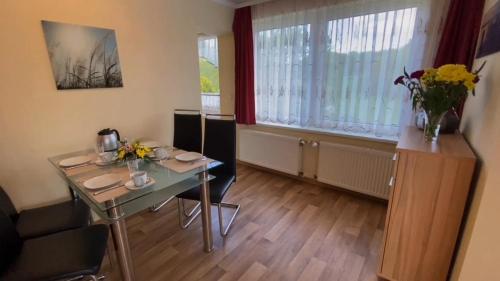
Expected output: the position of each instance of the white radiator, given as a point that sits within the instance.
(358, 169)
(277, 152)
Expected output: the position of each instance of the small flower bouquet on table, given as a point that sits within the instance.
(132, 153)
(437, 90)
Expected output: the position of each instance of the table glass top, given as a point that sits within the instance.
(167, 183)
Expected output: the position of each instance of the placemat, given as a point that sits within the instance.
(182, 167)
(113, 193)
(71, 171)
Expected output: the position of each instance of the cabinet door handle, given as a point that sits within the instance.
(395, 157)
(391, 181)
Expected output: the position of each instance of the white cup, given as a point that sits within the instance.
(107, 156)
(140, 178)
(161, 153)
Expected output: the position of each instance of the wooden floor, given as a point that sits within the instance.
(286, 230)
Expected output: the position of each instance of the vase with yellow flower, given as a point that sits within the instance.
(133, 154)
(437, 90)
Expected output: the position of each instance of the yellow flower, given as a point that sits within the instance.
(140, 153)
(456, 74)
(470, 85)
(136, 148)
(121, 153)
(142, 150)
(429, 76)
(135, 145)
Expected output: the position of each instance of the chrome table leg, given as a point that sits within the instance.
(120, 239)
(206, 215)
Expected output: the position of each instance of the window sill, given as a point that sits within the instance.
(330, 133)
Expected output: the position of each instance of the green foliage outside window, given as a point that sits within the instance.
(209, 77)
(206, 85)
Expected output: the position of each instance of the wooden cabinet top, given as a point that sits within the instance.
(450, 145)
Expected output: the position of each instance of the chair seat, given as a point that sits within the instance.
(51, 219)
(62, 255)
(218, 187)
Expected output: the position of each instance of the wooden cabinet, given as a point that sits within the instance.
(430, 185)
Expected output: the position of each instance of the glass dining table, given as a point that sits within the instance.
(115, 205)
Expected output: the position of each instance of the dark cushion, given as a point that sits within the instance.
(10, 242)
(54, 218)
(62, 255)
(187, 132)
(7, 206)
(218, 188)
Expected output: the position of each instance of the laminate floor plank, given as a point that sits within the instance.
(286, 230)
(313, 270)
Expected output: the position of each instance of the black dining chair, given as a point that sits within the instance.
(61, 256)
(46, 220)
(187, 130)
(219, 144)
(187, 136)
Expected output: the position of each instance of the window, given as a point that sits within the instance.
(209, 74)
(332, 68)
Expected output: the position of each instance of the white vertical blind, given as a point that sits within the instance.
(330, 65)
(208, 49)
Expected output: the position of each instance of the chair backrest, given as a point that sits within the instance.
(10, 242)
(187, 131)
(6, 205)
(220, 144)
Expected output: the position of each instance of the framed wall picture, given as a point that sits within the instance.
(82, 57)
(489, 39)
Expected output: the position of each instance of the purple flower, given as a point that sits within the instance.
(400, 80)
(417, 74)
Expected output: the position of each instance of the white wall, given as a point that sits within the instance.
(479, 255)
(157, 44)
(226, 73)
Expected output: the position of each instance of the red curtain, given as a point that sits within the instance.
(460, 33)
(244, 71)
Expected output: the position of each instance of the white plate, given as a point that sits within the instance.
(74, 161)
(152, 144)
(102, 181)
(188, 157)
(130, 184)
(100, 162)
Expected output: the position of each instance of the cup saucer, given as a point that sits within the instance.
(130, 184)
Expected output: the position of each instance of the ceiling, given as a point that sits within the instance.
(239, 3)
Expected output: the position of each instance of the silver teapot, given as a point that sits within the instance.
(108, 140)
